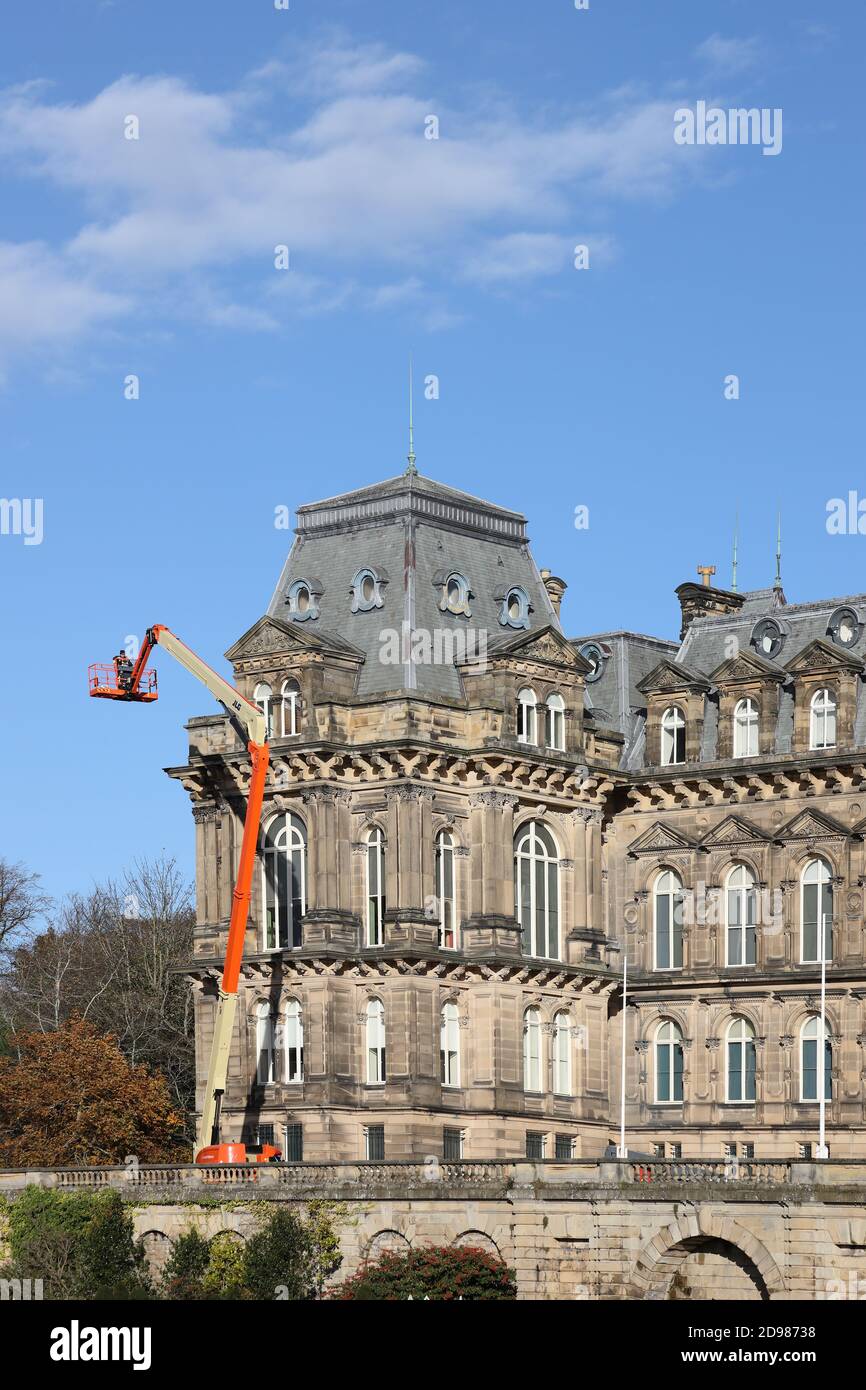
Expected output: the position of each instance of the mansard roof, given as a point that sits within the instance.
(415, 530)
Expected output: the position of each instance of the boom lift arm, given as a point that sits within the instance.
(128, 680)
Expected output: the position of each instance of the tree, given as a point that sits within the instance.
(114, 957)
(279, 1260)
(21, 902)
(81, 1244)
(71, 1097)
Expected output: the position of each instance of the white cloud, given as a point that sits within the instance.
(44, 301)
(728, 55)
(335, 166)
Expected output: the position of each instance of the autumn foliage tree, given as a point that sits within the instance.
(71, 1097)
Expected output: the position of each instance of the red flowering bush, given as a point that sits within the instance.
(449, 1272)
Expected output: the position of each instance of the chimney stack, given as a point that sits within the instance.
(555, 589)
(705, 601)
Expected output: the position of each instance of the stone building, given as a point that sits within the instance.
(469, 815)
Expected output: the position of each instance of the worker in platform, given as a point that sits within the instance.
(123, 667)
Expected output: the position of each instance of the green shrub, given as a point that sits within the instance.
(447, 1272)
(280, 1259)
(226, 1270)
(81, 1244)
(185, 1270)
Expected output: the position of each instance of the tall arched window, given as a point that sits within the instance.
(555, 722)
(810, 1061)
(668, 921)
(673, 736)
(293, 1042)
(375, 1042)
(822, 720)
(445, 888)
(284, 889)
(449, 1046)
(741, 905)
(290, 708)
(265, 1050)
(816, 911)
(375, 886)
(526, 716)
(746, 729)
(741, 1061)
(536, 890)
(669, 1064)
(532, 1050)
(562, 1055)
(263, 696)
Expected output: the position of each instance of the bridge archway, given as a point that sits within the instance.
(702, 1257)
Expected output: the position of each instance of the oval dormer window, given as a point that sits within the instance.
(592, 652)
(844, 627)
(302, 599)
(366, 589)
(515, 608)
(767, 638)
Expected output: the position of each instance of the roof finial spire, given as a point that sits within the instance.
(734, 564)
(777, 584)
(411, 471)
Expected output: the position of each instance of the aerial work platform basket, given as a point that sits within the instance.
(104, 683)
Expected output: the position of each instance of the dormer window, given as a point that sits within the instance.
(844, 627)
(592, 653)
(367, 588)
(302, 599)
(455, 595)
(515, 610)
(768, 638)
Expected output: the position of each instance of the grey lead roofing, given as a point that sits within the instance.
(411, 529)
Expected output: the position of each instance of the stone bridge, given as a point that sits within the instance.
(571, 1230)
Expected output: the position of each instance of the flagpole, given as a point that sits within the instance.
(823, 1151)
(622, 1151)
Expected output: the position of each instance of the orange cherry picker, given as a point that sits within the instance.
(125, 679)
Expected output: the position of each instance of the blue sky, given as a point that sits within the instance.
(262, 388)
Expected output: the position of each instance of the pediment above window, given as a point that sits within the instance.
(745, 667)
(733, 831)
(661, 839)
(271, 636)
(669, 677)
(545, 645)
(812, 825)
(820, 656)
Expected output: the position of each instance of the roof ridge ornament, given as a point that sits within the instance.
(411, 470)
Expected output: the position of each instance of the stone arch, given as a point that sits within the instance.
(708, 1234)
(157, 1247)
(384, 1241)
(478, 1240)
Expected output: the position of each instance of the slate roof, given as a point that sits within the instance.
(413, 528)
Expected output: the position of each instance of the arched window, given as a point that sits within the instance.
(526, 716)
(445, 888)
(822, 722)
(375, 886)
(515, 609)
(810, 1061)
(532, 1050)
(746, 729)
(290, 708)
(536, 890)
(293, 1042)
(263, 696)
(669, 1064)
(562, 1055)
(816, 911)
(668, 921)
(555, 723)
(284, 867)
(741, 904)
(449, 1046)
(375, 1042)
(265, 1059)
(673, 736)
(741, 1061)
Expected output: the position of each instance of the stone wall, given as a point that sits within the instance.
(611, 1230)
